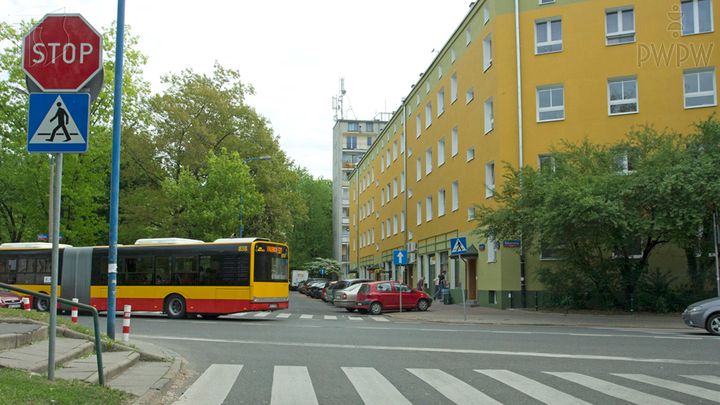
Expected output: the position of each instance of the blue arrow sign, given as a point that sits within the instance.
(458, 246)
(58, 122)
(400, 257)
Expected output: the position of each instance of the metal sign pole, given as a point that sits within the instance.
(717, 266)
(400, 292)
(55, 261)
(462, 287)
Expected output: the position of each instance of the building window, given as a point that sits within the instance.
(428, 114)
(455, 196)
(382, 197)
(410, 151)
(489, 117)
(489, 179)
(441, 152)
(700, 89)
(369, 142)
(418, 123)
(454, 142)
(453, 88)
(373, 236)
(486, 11)
(441, 203)
(395, 187)
(546, 162)
(439, 70)
(547, 1)
(550, 103)
(548, 35)
(382, 164)
(417, 99)
(619, 26)
(402, 221)
(492, 253)
(428, 209)
(470, 95)
(369, 127)
(452, 55)
(409, 193)
(696, 16)
(382, 230)
(402, 181)
(353, 127)
(387, 158)
(468, 36)
(471, 213)
(622, 96)
(402, 143)
(487, 52)
(428, 161)
(372, 204)
(471, 153)
(441, 101)
(388, 193)
(394, 150)
(372, 175)
(419, 169)
(351, 142)
(419, 213)
(395, 224)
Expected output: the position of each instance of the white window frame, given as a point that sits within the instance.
(418, 124)
(382, 230)
(471, 153)
(490, 179)
(428, 114)
(417, 100)
(696, 19)
(455, 196)
(471, 213)
(470, 95)
(419, 169)
(489, 115)
(441, 203)
(382, 164)
(387, 158)
(419, 213)
(551, 108)
(395, 150)
(487, 52)
(428, 208)
(441, 152)
(428, 161)
(486, 12)
(696, 73)
(402, 181)
(550, 41)
(454, 142)
(441, 101)
(382, 197)
(372, 205)
(395, 187)
(453, 88)
(468, 36)
(492, 252)
(395, 224)
(387, 194)
(452, 55)
(541, 2)
(622, 32)
(439, 70)
(427, 87)
(624, 101)
(402, 221)
(372, 235)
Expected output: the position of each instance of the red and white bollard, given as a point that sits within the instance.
(126, 324)
(73, 314)
(26, 303)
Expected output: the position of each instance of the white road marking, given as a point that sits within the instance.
(614, 390)
(532, 388)
(292, 385)
(283, 315)
(213, 386)
(705, 378)
(330, 317)
(374, 389)
(262, 314)
(306, 316)
(379, 319)
(354, 318)
(688, 389)
(452, 388)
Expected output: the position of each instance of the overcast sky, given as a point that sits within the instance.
(292, 52)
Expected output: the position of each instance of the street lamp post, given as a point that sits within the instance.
(241, 197)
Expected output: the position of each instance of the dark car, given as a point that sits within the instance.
(704, 314)
(9, 299)
(309, 283)
(315, 289)
(379, 296)
(327, 289)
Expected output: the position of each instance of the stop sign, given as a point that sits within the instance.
(62, 52)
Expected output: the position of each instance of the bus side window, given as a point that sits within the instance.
(185, 270)
(210, 270)
(163, 270)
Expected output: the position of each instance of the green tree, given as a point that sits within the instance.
(331, 267)
(311, 235)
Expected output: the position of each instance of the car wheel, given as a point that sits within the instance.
(376, 308)
(41, 304)
(713, 325)
(362, 311)
(422, 305)
(350, 309)
(175, 307)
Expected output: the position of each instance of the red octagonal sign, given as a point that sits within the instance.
(62, 52)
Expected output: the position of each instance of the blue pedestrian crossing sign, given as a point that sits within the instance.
(458, 246)
(58, 122)
(400, 257)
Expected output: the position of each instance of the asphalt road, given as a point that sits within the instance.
(317, 354)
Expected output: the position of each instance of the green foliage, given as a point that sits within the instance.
(604, 221)
(311, 235)
(331, 266)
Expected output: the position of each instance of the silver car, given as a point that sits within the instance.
(346, 298)
(704, 314)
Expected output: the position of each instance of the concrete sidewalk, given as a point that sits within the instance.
(145, 370)
(454, 313)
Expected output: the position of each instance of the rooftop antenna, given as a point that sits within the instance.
(337, 103)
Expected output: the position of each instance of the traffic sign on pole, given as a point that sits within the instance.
(58, 122)
(400, 257)
(61, 53)
(458, 246)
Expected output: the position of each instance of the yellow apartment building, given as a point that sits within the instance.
(513, 79)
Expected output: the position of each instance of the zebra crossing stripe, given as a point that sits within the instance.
(374, 389)
(452, 388)
(532, 388)
(262, 314)
(213, 386)
(284, 315)
(306, 316)
(705, 378)
(330, 317)
(614, 390)
(354, 318)
(688, 389)
(292, 385)
(379, 319)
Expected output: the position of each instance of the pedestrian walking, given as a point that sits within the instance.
(420, 283)
(441, 285)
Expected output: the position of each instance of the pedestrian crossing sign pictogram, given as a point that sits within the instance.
(58, 122)
(458, 246)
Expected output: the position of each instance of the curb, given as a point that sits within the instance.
(117, 369)
(163, 385)
(15, 340)
(83, 350)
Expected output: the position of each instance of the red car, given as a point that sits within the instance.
(385, 295)
(9, 299)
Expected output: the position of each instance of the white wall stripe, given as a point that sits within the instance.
(213, 385)
(306, 316)
(705, 378)
(688, 389)
(452, 388)
(532, 388)
(614, 390)
(292, 385)
(374, 389)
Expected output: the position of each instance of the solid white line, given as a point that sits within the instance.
(213, 385)
(306, 316)
(262, 314)
(283, 315)
(379, 319)
(705, 378)
(614, 390)
(330, 317)
(292, 385)
(374, 389)
(437, 350)
(452, 388)
(532, 388)
(688, 389)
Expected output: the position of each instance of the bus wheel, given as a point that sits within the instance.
(41, 304)
(175, 306)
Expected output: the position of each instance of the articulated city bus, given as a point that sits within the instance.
(172, 275)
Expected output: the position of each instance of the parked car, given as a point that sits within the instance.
(345, 298)
(704, 314)
(315, 289)
(310, 282)
(300, 285)
(9, 299)
(345, 284)
(379, 296)
(327, 288)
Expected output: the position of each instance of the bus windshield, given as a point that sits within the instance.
(271, 263)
